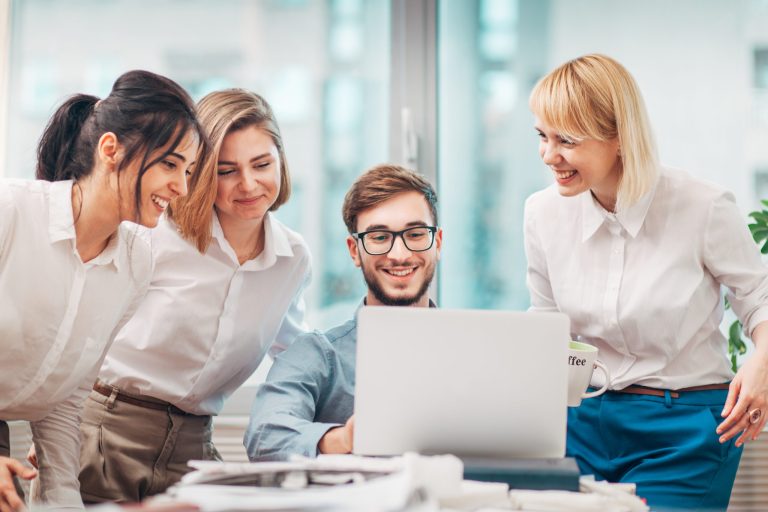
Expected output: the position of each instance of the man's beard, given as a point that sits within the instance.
(381, 296)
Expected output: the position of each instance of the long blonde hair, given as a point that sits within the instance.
(595, 97)
(221, 113)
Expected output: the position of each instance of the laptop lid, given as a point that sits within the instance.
(467, 382)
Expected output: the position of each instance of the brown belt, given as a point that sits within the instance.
(152, 403)
(642, 390)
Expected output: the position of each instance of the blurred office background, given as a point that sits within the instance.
(341, 73)
(440, 85)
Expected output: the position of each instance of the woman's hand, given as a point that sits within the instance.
(9, 499)
(32, 456)
(746, 408)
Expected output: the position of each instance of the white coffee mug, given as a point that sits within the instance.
(582, 360)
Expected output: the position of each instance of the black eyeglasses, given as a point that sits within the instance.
(380, 241)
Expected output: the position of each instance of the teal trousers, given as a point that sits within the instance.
(665, 445)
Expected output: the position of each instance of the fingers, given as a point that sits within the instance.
(351, 430)
(746, 435)
(14, 467)
(739, 427)
(733, 394)
(736, 415)
(32, 456)
(10, 501)
(749, 431)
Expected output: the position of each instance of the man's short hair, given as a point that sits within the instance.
(380, 184)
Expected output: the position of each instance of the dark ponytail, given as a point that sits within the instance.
(144, 110)
(58, 155)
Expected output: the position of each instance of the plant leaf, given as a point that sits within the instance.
(734, 330)
(759, 233)
(760, 217)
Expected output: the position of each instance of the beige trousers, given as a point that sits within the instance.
(130, 452)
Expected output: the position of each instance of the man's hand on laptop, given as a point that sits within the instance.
(338, 439)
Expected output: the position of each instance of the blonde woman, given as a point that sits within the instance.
(635, 254)
(226, 290)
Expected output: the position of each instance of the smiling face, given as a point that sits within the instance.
(581, 165)
(163, 181)
(400, 277)
(248, 176)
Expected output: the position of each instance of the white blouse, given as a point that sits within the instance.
(644, 285)
(58, 317)
(207, 321)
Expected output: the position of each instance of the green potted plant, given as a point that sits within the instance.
(759, 230)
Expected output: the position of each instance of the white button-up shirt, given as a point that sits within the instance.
(207, 321)
(644, 285)
(58, 317)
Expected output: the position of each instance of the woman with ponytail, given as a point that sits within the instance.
(71, 270)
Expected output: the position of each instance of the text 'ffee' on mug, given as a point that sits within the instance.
(582, 360)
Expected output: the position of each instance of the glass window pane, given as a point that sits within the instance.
(323, 65)
(487, 153)
(703, 72)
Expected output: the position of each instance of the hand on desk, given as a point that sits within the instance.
(748, 393)
(9, 499)
(338, 439)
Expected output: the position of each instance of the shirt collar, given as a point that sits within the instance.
(276, 243)
(363, 304)
(631, 219)
(61, 226)
(61, 222)
(114, 252)
(276, 238)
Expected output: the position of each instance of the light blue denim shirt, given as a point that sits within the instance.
(309, 390)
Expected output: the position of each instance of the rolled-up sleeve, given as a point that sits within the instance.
(733, 259)
(283, 413)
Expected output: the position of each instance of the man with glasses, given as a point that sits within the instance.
(306, 405)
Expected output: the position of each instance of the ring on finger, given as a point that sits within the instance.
(755, 415)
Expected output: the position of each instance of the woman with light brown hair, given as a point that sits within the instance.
(636, 254)
(227, 289)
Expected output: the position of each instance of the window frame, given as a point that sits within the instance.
(5, 53)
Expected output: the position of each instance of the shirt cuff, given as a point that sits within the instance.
(311, 435)
(760, 316)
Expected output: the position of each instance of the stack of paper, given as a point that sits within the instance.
(411, 482)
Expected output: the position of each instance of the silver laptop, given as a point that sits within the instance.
(473, 383)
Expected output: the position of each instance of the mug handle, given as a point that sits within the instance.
(592, 394)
